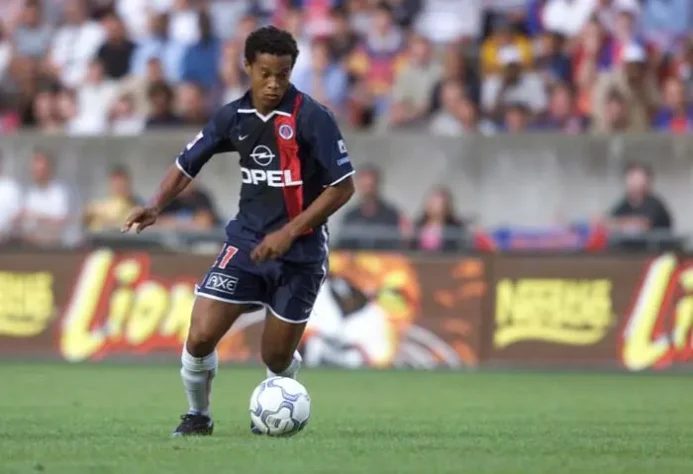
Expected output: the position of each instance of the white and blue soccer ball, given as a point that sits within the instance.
(279, 406)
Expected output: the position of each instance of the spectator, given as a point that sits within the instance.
(373, 223)
(616, 115)
(75, 44)
(681, 64)
(138, 86)
(231, 74)
(46, 112)
(414, 84)
(10, 121)
(343, 40)
(67, 107)
(293, 23)
(624, 34)
(458, 114)
(405, 11)
(513, 85)
(445, 21)
(640, 210)
(562, 115)
(10, 203)
(456, 67)
(567, 16)
(607, 11)
(317, 17)
(552, 62)
(10, 12)
(161, 104)
(191, 103)
(245, 26)
(157, 45)
(183, 27)
(21, 86)
(635, 83)
(676, 115)
(33, 36)
(375, 63)
(201, 60)
(192, 210)
(591, 56)
(5, 51)
(226, 16)
(503, 38)
(116, 53)
(667, 21)
(517, 118)
(439, 229)
(94, 100)
(325, 81)
(137, 14)
(110, 212)
(124, 119)
(46, 206)
(360, 16)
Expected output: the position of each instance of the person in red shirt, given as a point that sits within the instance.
(676, 115)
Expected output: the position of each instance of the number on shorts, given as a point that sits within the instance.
(228, 254)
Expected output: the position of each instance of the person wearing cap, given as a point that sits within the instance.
(636, 83)
(512, 85)
(503, 35)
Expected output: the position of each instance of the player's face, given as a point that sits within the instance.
(269, 79)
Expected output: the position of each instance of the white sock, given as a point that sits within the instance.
(197, 374)
(291, 370)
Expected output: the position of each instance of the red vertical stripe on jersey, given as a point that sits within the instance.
(289, 159)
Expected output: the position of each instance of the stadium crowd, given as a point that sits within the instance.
(454, 66)
(45, 212)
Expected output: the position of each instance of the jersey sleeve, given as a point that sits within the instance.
(327, 146)
(210, 141)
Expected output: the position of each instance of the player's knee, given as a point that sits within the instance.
(276, 360)
(200, 343)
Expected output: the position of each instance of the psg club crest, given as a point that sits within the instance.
(286, 132)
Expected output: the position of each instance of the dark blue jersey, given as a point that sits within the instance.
(287, 158)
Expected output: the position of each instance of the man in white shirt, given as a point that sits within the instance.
(10, 203)
(47, 205)
(567, 16)
(94, 100)
(442, 21)
(512, 86)
(75, 44)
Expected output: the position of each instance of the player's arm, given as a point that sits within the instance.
(333, 198)
(329, 150)
(206, 144)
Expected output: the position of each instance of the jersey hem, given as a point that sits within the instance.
(342, 178)
(182, 170)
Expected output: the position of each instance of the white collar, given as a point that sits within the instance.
(264, 118)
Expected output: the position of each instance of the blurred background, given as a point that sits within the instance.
(419, 86)
(478, 127)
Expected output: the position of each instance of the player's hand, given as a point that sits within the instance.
(140, 218)
(273, 246)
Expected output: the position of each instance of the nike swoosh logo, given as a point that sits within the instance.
(242, 137)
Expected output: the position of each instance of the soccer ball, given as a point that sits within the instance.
(279, 406)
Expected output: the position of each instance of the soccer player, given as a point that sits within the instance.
(295, 173)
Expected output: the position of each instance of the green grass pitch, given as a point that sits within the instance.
(117, 419)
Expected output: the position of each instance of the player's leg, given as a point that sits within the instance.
(228, 290)
(290, 308)
(211, 319)
(280, 340)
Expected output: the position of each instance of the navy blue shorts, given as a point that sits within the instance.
(287, 289)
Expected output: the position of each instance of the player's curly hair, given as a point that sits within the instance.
(270, 40)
